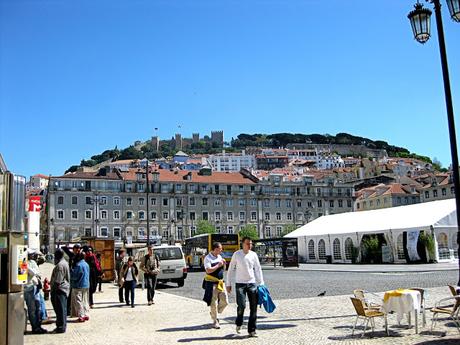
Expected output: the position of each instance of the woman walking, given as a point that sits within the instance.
(129, 273)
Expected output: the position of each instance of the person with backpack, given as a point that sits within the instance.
(94, 272)
(150, 265)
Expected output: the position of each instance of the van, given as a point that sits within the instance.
(172, 264)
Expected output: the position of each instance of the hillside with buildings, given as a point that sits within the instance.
(342, 144)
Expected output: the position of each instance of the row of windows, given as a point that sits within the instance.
(435, 192)
(386, 202)
(336, 249)
(140, 186)
(141, 232)
(102, 200)
(103, 214)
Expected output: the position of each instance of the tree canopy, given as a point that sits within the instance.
(250, 231)
(205, 227)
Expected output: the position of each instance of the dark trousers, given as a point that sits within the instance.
(99, 283)
(251, 291)
(68, 303)
(150, 285)
(92, 289)
(59, 302)
(129, 289)
(120, 294)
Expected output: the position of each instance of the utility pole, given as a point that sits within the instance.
(147, 201)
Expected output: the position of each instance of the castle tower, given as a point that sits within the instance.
(217, 137)
(155, 143)
(195, 137)
(178, 141)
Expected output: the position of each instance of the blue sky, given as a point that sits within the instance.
(79, 77)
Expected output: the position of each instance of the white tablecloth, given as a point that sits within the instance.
(409, 301)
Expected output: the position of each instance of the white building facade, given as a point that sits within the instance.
(232, 162)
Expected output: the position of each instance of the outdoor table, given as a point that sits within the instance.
(402, 301)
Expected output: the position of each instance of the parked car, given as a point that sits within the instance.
(172, 261)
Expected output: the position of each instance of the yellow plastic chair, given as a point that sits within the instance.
(360, 294)
(367, 314)
(451, 310)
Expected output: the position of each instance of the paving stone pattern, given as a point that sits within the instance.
(177, 319)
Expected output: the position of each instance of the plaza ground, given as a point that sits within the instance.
(298, 319)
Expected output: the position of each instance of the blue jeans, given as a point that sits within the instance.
(32, 298)
(59, 301)
(43, 313)
(251, 291)
(129, 289)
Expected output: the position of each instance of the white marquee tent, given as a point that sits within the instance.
(336, 234)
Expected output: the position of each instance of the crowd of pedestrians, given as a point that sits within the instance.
(72, 285)
(75, 280)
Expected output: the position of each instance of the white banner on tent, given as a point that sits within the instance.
(412, 239)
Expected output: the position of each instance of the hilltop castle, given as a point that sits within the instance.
(180, 143)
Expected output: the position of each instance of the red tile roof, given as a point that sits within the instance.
(41, 176)
(89, 175)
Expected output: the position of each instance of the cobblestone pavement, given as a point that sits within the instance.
(303, 284)
(176, 319)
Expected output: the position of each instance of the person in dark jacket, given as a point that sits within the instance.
(101, 275)
(94, 273)
(129, 273)
(121, 260)
(60, 288)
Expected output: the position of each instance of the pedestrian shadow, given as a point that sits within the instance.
(260, 325)
(439, 342)
(111, 306)
(266, 326)
(190, 328)
(225, 337)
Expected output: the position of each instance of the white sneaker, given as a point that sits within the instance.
(253, 335)
(238, 329)
(216, 324)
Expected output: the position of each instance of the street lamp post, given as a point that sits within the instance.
(420, 22)
(147, 187)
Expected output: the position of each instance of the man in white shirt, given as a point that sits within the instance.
(245, 272)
